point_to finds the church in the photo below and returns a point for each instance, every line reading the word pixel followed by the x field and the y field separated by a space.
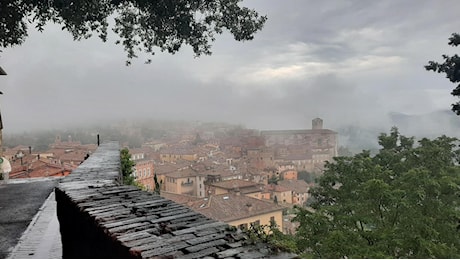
pixel 307 148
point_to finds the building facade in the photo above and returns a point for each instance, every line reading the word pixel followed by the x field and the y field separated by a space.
pixel 310 147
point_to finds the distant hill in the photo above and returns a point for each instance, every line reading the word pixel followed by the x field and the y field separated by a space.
pixel 430 125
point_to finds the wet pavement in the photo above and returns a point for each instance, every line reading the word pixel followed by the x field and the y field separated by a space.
pixel 28 222
pixel 42 239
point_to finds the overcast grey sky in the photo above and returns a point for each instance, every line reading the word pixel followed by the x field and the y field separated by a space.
pixel 343 61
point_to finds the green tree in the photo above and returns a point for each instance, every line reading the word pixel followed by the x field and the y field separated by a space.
pixel 274 179
pixel 157 188
pixel 306 176
pixel 127 167
pixel 401 203
pixel 450 67
pixel 271 235
pixel 141 25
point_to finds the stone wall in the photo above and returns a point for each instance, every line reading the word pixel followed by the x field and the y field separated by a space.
pixel 101 218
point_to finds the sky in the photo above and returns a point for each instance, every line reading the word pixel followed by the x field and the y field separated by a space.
pixel 347 62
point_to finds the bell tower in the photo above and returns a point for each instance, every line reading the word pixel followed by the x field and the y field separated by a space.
pixel 317 123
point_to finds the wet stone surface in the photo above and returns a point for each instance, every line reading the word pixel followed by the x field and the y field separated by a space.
pixel 18 205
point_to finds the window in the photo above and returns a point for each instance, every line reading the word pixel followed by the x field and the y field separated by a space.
pixel 272 220
pixel 243 226
pixel 256 223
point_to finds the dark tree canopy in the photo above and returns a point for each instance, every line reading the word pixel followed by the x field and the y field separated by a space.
pixel 127 165
pixel 142 25
pixel 451 67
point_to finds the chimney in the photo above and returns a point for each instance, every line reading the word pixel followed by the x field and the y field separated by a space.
pixel 317 124
pixel 249 205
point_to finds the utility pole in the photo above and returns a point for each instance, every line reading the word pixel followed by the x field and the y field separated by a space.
pixel 3 172
pixel 3 73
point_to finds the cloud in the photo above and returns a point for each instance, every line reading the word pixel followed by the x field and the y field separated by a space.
pixel 349 62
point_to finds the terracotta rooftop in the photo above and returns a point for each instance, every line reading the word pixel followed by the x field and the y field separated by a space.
pixel 232 184
pixel 277 188
pixel 183 199
pixel 299 186
pixel 182 173
pixel 231 207
pixel 164 168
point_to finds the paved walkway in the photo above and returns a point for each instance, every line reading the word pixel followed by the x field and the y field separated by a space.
pixel 42 239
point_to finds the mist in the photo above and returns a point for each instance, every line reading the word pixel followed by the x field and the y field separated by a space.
pixel 350 63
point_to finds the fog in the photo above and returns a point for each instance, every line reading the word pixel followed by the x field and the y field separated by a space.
pixel 352 63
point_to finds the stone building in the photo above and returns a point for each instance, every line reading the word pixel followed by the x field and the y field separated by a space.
pixel 311 147
pixel 144 173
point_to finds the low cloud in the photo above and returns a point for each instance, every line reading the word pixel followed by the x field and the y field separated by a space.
pixel 348 62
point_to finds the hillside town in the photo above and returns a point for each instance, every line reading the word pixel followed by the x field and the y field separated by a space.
pixel 243 177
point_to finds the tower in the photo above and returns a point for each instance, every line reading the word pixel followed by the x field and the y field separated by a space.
pixel 57 139
pixel 317 123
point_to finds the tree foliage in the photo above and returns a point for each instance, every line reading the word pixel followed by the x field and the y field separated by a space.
pixel 450 67
pixel 127 167
pixel 401 203
pixel 157 188
pixel 273 236
pixel 141 25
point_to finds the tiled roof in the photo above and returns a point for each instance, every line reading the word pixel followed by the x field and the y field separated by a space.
pixel 179 198
pixel 231 207
pixel 299 186
pixel 182 173
pixel 164 168
pixel 232 184
pixel 277 188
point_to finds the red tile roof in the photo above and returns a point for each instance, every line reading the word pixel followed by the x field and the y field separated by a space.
pixel 231 207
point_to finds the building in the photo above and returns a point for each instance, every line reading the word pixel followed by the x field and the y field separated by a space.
pixel 144 173
pixel 185 181
pixel 247 188
pixel 311 147
pixel 299 190
pixel 176 153
pixel 279 193
pixel 33 168
pixel 234 209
